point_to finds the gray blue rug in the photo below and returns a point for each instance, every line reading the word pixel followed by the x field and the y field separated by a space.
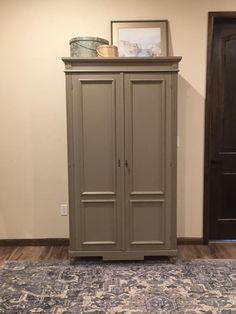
pixel 197 286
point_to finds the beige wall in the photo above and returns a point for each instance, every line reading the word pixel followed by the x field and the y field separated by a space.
pixel 34 35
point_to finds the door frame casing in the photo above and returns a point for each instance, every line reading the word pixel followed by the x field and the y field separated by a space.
pixel 209 107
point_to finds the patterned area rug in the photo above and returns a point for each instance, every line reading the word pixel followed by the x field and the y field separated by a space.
pixel 196 286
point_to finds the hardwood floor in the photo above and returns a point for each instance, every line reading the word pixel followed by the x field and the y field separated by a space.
pixel 213 250
pixel 37 253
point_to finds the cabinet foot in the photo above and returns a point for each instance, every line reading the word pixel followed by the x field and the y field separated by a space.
pixel 72 260
pixel 173 259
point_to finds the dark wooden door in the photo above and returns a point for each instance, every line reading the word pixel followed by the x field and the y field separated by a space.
pixel 221 128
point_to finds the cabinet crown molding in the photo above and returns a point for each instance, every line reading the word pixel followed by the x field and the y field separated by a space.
pixel 168 64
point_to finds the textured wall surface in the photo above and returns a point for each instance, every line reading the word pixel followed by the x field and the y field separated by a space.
pixel 34 36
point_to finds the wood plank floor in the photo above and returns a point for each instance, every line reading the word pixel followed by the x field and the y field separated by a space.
pixel 38 253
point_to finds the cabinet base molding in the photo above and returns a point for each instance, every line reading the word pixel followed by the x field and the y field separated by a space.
pixel 121 256
pixel 65 242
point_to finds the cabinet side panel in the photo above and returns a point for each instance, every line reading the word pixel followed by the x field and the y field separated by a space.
pixel 72 178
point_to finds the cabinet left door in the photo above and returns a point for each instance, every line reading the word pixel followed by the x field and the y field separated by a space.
pixel 95 133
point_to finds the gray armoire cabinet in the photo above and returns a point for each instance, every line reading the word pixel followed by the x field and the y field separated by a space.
pixel 121 119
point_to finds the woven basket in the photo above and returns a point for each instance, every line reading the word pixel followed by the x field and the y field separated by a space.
pixel 107 51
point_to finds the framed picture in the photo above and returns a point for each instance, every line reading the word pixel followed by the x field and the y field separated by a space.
pixel 140 38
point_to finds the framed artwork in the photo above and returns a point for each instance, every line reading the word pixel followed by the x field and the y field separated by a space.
pixel 140 38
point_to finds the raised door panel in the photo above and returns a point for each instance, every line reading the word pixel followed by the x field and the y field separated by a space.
pixel 148 160
pixel 147 222
pixel 97 143
pixel 98 140
pixel 146 135
pixel 99 222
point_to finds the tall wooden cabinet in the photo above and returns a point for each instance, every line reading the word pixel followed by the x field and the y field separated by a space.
pixel 121 119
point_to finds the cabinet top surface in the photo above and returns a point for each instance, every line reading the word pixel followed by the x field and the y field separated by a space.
pixel 168 59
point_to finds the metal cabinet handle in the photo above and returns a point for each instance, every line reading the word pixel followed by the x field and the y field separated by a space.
pixel 126 164
pixel 127 167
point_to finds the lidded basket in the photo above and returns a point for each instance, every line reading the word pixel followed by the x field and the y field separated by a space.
pixel 86 47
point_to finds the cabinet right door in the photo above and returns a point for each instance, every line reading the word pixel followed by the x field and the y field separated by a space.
pixel 150 155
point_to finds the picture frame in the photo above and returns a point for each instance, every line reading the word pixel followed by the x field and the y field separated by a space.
pixel 140 38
